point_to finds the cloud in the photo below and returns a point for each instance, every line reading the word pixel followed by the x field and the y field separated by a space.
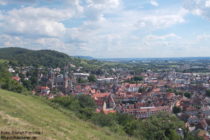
pixel 156 41
pixel 103 4
pixel 202 37
pixel 102 37
pixel 160 21
pixel 6 2
pixel 155 19
pixel 100 28
pixel 41 13
pixel 154 3
pixel 37 44
pixel 95 9
pixel 162 37
pixel 207 3
pixel 34 22
pixel 2 2
pixel 75 5
pixel 44 27
pixel 198 7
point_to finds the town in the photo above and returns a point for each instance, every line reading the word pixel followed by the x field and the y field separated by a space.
pixel 142 90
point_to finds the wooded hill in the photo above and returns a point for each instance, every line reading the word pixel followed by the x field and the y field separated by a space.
pixel 22 56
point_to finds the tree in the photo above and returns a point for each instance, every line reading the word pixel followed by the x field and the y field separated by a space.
pixel 141 90
pixel 103 120
pixel 81 80
pixel 6 81
pixel 92 78
pixel 176 109
pixel 86 101
pixel 27 84
pixel 208 93
pixel 137 78
pixel 162 126
pixel 187 94
pixel 82 105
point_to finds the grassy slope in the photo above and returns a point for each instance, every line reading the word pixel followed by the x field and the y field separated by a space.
pixel 21 113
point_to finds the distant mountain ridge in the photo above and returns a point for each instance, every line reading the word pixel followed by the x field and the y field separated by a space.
pixel 152 59
pixel 86 57
pixel 52 58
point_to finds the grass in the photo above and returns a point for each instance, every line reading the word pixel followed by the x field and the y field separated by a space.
pixel 27 113
pixel 3 61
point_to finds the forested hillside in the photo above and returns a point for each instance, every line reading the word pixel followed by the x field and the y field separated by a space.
pixel 31 57
pixel 52 59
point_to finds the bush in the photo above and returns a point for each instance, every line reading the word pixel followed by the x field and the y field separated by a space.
pixel 82 105
pixel 208 93
pixel 104 120
pixel 6 81
pixel 92 78
pixel 176 109
pixel 187 94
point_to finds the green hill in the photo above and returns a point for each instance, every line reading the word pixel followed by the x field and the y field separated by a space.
pixel 47 58
pixel 50 58
pixel 32 57
pixel 20 113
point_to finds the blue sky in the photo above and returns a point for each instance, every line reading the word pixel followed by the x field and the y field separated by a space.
pixel 108 28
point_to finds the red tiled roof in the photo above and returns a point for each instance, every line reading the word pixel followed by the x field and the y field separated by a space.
pixel 170 95
pixel 109 111
pixel 100 95
pixel 44 88
pixel 156 90
pixel 16 78
pixel 148 109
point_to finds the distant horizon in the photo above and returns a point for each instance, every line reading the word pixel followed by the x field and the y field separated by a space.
pixel 101 58
pixel 140 57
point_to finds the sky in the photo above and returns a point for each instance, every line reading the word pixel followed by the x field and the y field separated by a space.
pixel 108 28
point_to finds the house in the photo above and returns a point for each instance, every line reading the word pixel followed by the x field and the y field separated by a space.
pixel 106 110
pixel 202 124
pixel 16 78
pixel 61 82
pixel 193 120
pixel 105 80
pixel 145 112
pixel 133 87
pixel 44 90
pixel 11 70
pixel 99 98
pixel 81 75
pixel 204 134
